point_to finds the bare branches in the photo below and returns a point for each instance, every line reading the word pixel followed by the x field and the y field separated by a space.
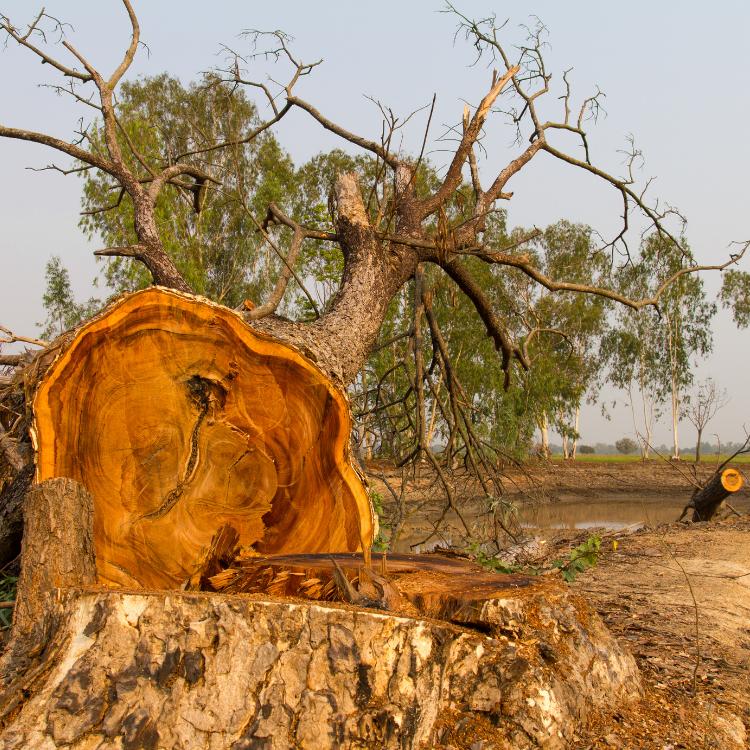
pixel 363 143
pixel 8 337
pixel 471 134
pixel 67 148
pixel 275 215
pixel 277 294
pixel 131 50
pixel 237 78
pixel 33 30
pixel 523 263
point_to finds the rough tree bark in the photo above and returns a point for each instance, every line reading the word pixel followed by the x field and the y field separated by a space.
pixel 706 502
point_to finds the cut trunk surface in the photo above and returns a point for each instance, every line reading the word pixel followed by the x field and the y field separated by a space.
pixel 179 419
pixel 707 501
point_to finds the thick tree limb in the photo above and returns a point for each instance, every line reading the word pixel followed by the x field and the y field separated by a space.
pixel 454 176
pixel 495 329
pixel 67 148
pixel 522 263
pixel 9 337
pixel 281 283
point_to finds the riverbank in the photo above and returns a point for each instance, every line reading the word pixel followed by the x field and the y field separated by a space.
pixel 539 495
pixel 677 594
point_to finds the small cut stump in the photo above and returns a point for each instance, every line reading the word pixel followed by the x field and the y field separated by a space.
pixel 196 571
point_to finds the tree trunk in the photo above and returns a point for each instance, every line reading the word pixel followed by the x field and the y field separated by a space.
pixel 675 419
pixel 59 538
pixel 698 447
pixel 706 502
pixel 544 432
pixel 575 427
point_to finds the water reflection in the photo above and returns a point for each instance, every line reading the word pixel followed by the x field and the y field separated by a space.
pixel 611 511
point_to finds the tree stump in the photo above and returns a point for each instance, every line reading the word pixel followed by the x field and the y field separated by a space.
pixel 206 581
pixel 706 502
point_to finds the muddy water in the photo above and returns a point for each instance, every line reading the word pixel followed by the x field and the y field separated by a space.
pixel 610 511
pixel 607 510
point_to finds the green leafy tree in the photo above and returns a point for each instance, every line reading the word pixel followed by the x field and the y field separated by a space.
pixel 626 446
pixel 686 317
pixel 63 312
pixel 651 352
pixel 219 248
pixel 735 296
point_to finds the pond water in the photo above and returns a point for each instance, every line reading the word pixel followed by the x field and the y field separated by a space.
pixel 611 511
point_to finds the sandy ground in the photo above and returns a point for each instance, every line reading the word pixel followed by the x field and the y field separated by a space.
pixel 680 597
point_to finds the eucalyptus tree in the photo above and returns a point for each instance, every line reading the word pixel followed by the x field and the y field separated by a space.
pixel 211 235
pixel 735 296
pixel 63 311
pixel 685 330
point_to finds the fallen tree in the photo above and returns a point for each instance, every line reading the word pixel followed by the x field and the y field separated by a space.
pixel 191 433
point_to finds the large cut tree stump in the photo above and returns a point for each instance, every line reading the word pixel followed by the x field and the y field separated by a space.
pixel 196 571
pixel 178 418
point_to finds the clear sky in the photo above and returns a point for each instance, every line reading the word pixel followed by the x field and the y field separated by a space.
pixel 676 75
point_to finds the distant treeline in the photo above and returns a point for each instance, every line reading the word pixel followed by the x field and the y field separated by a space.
pixel 606 449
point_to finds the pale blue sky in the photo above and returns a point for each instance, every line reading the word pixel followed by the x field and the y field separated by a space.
pixel 676 75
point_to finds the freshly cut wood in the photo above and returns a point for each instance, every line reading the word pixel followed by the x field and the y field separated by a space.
pixel 443 588
pixel 706 502
pixel 180 419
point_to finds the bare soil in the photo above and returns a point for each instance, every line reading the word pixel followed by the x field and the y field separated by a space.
pixel 679 595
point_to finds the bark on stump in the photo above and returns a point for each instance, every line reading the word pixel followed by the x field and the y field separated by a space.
pixel 198 453
pixel 192 671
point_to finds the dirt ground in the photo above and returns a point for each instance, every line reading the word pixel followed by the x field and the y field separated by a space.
pixel 680 597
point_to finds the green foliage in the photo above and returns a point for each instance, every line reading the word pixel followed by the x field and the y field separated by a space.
pixel 7 594
pixel 626 445
pixel 583 557
pixel 735 295
pixel 380 543
pixel 651 350
pixel 489 562
pixel 586 450
pixel 63 312
pixel 219 250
